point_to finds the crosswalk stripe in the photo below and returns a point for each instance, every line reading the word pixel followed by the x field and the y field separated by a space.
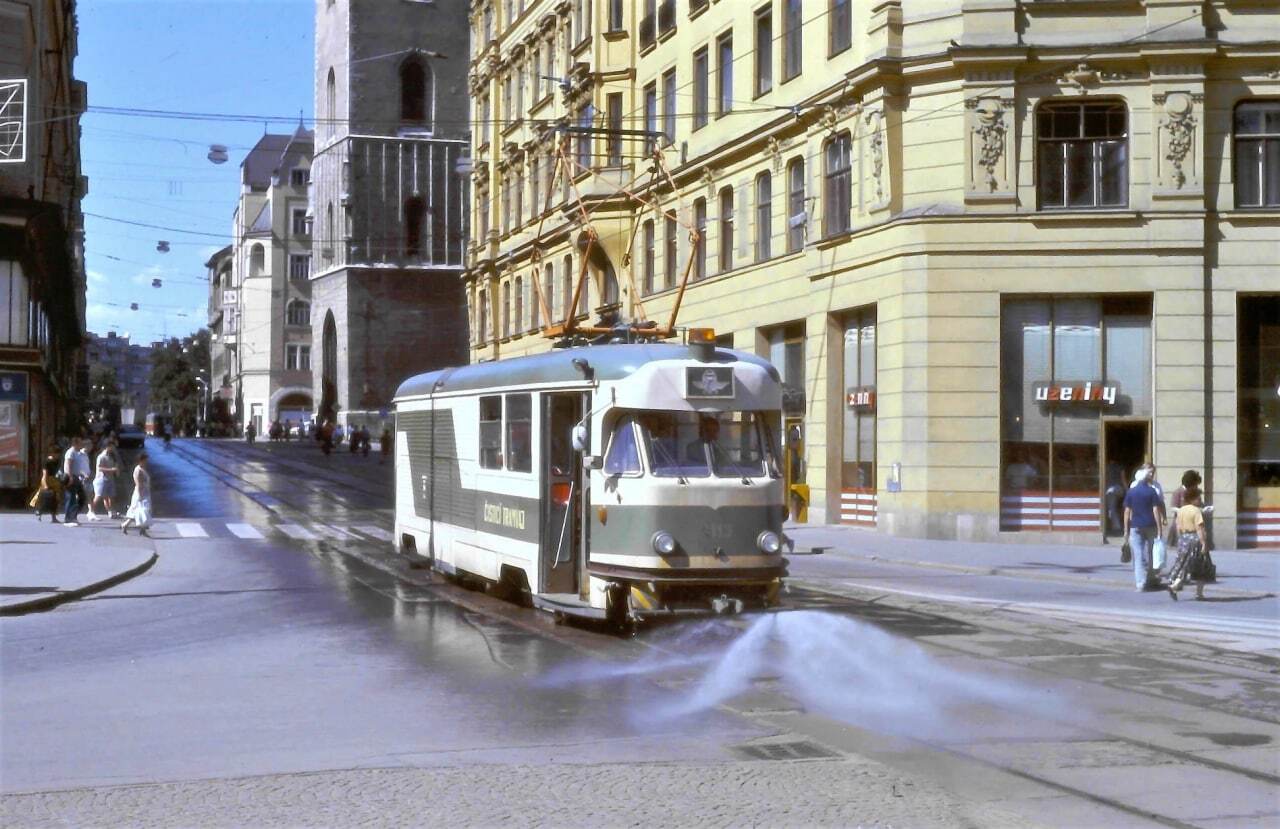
pixel 330 531
pixel 373 532
pixel 244 531
pixel 296 531
pixel 191 531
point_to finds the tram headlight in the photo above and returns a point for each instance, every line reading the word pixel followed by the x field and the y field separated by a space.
pixel 768 542
pixel 664 543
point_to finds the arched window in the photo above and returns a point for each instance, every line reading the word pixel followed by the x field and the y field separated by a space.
pixel 331 102
pixel 257 260
pixel 328 229
pixel 415 92
pixel 329 367
pixel 298 313
pixel 414 212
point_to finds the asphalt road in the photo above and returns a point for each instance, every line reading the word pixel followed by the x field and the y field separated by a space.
pixel 279 665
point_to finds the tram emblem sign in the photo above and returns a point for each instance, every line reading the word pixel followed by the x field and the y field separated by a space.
pixel 13 121
pixel 1092 391
pixel 709 382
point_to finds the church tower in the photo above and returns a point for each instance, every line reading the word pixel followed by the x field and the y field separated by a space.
pixel 388 203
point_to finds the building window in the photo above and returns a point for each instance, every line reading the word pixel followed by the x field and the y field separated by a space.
pixel 609 288
pixel 651 115
pixel 300 266
pixel 649 264
pixel 1064 364
pixel 520 432
pixel 506 310
pixel 541 293
pixel 724 74
pixel 792 39
pixel 415 92
pixel 701 88
pixel 669 105
pixel 613 114
pixel 764 216
pixel 331 103
pixel 672 241
pixel 518 317
pixel 482 323
pixel 257 261
pixel 841 26
pixel 764 50
pixel 648 24
pixel 1082 155
pixel 535 182
pixel 415 211
pixel 1258 412
pixel 837 185
pixel 797 216
pixel 585 116
pixel 483 116
pixel 700 247
pixel 298 221
pixel 726 229
pixel 297 357
pixel 566 293
pixel 858 456
pixel 298 177
pixel 297 313
pixel 491 432
pixel 615 15
pixel 1257 154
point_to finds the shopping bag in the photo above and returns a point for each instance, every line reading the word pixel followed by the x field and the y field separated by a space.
pixel 1126 553
pixel 1157 554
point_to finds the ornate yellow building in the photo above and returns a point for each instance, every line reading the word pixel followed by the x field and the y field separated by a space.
pixel 1001 251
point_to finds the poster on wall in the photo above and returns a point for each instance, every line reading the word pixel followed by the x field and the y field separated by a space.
pixel 13 121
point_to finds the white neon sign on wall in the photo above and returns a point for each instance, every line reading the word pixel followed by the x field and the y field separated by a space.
pixel 13 121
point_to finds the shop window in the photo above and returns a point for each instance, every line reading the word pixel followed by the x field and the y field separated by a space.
pixel 1067 367
pixel 1082 155
pixel 491 432
pixel 786 352
pixel 1258 336
pixel 519 422
pixel 1257 154
pixel 858 463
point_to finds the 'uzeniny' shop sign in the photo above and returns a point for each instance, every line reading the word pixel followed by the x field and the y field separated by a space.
pixel 1087 392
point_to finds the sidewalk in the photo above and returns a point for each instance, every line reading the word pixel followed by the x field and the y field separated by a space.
pixel 43 564
pixel 1247 572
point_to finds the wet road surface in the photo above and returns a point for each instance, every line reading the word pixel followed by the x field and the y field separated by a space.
pixel 277 635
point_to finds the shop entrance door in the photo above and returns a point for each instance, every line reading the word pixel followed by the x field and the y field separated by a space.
pixel 1126 445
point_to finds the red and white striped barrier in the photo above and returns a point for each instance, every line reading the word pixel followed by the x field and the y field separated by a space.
pixel 858 507
pixel 1258 527
pixel 1061 511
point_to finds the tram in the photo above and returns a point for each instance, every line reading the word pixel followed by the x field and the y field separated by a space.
pixel 618 482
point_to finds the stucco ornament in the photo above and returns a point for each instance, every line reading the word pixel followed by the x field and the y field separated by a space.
pixel 774 151
pixel 990 130
pixel 876 141
pixel 1180 125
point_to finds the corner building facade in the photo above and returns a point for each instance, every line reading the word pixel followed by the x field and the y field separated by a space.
pixel 387 203
pixel 1001 251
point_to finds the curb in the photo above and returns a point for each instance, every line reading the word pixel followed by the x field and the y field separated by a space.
pixel 52 600
pixel 1008 572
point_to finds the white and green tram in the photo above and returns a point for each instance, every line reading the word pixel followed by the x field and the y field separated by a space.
pixel 618 482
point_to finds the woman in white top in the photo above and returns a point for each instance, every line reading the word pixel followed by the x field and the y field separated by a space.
pixel 139 513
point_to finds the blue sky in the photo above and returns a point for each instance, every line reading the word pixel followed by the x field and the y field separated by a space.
pixel 251 57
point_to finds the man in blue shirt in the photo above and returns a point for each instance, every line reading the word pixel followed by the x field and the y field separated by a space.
pixel 1143 524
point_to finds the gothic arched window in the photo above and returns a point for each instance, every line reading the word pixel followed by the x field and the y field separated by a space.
pixel 415 92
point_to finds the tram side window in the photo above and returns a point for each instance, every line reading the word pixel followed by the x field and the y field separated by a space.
pixel 491 432
pixel 519 433
pixel 623 457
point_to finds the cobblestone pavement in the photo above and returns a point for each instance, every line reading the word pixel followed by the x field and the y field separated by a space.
pixel 850 792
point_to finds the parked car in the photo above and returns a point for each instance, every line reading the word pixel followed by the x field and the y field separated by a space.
pixel 130 435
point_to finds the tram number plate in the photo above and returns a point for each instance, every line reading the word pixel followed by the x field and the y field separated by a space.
pixel 718 532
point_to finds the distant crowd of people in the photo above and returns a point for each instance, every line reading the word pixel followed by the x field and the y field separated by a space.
pixel 76 466
pixel 328 434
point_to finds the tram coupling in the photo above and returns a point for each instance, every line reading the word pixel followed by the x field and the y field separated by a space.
pixel 724 605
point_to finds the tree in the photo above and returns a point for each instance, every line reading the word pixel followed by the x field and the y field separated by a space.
pixel 175 364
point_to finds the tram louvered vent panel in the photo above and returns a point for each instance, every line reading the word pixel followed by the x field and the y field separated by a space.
pixel 801 750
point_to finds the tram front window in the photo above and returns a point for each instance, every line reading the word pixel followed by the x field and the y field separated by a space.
pixel 693 445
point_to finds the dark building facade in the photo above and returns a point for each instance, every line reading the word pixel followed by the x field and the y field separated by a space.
pixel 42 283
pixel 388 200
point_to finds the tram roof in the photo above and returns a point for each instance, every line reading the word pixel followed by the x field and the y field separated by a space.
pixel 610 362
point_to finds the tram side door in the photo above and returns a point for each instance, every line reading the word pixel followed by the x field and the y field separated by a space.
pixel 563 481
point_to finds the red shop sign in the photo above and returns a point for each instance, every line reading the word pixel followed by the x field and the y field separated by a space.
pixel 1092 391
pixel 861 397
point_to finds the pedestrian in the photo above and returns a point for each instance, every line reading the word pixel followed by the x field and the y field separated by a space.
pixel 288 429
pixel 326 436
pixel 364 440
pixel 384 444
pixel 139 513
pixel 1193 544
pixel 104 482
pixel 250 432
pixel 46 497
pixel 75 468
pixel 1143 523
